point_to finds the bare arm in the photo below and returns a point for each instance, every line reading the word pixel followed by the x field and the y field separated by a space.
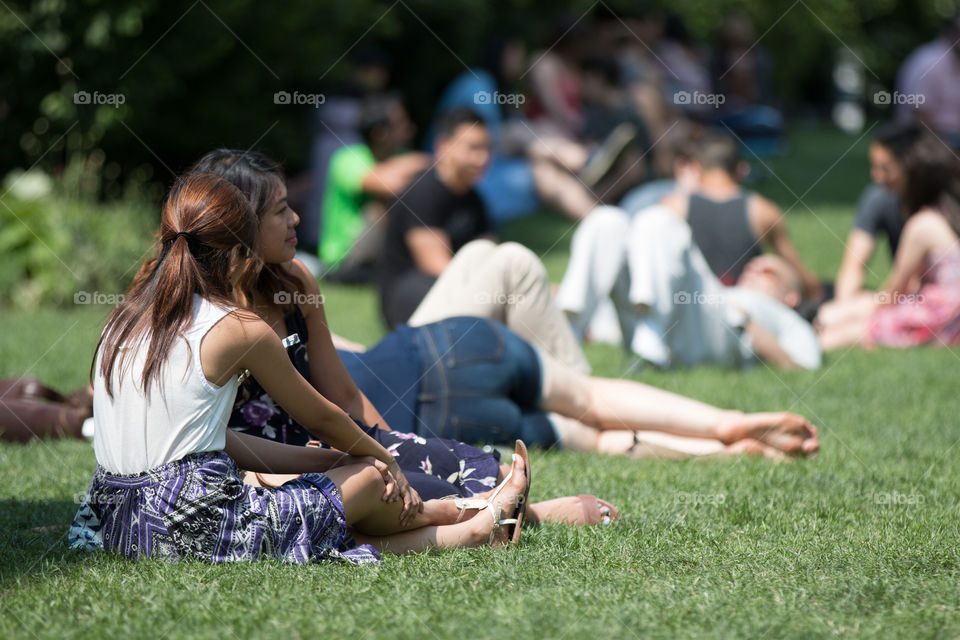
pixel 261 455
pixel 430 248
pixel 924 231
pixel 327 373
pixel 856 256
pixel 771 228
pixel 767 348
pixel 242 340
pixel 389 178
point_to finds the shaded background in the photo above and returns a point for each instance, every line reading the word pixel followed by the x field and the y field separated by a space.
pixel 197 74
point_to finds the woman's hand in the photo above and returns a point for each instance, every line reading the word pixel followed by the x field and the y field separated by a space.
pixel 389 494
pixel 396 487
pixel 401 489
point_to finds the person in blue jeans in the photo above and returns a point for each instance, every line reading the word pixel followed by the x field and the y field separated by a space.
pixel 473 379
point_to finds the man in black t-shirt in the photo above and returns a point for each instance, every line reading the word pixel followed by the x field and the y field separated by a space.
pixel 436 215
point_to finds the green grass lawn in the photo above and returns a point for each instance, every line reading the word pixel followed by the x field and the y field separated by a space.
pixel 862 539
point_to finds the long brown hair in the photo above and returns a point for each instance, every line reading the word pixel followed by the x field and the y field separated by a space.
pixel 932 179
pixel 259 179
pixel 207 229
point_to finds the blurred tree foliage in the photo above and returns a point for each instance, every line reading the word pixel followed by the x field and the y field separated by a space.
pixel 195 74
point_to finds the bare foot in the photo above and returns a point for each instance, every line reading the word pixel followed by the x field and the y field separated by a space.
pixel 751 447
pixel 575 510
pixel 786 432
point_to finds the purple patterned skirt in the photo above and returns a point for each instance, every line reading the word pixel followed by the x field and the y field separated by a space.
pixel 198 507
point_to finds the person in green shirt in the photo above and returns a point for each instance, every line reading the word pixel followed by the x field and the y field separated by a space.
pixel 361 179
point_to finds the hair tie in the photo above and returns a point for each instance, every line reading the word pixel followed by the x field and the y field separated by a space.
pixel 193 244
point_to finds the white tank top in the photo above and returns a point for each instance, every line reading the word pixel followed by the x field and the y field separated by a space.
pixel 135 431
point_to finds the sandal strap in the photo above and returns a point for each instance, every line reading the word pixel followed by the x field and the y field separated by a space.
pixel 470 503
pixel 480 503
pixel 495 511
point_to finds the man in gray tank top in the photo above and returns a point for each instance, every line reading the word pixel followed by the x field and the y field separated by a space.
pixel 731 226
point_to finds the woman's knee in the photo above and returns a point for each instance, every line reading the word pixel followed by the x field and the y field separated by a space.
pixel 357 478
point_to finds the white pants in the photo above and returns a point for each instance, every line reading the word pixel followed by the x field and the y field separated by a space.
pixel 670 306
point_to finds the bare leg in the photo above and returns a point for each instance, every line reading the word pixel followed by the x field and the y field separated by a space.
pixel 607 404
pixel 843 334
pixel 649 444
pixel 361 487
pixel 562 190
pixel 565 153
pixel 859 307
pixel 574 510
pixel 472 532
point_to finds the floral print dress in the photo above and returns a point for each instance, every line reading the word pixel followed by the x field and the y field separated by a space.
pixel 435 467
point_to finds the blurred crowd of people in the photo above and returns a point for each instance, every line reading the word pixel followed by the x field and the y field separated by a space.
pixel 597 110
pixel 625 124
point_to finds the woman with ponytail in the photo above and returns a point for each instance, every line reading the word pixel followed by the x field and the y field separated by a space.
pixel 165 374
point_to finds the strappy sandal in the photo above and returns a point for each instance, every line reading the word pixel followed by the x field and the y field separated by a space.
pixel 496 508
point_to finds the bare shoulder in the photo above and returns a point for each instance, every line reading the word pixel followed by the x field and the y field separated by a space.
pixel 763 210
pixel 230 342
pixel 927 221
pixel 240 329
pixel 928 229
